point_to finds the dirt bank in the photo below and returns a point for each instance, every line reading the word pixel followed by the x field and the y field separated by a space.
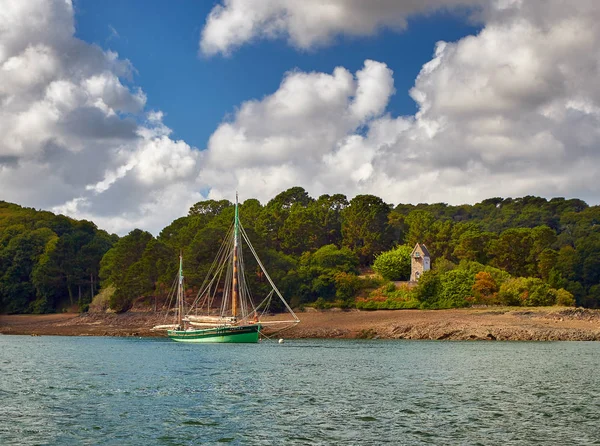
pixel 541 324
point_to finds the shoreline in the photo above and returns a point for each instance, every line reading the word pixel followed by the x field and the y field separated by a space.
pixel 503 324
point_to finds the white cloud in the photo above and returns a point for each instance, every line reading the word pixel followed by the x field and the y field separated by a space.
pixel 69 137
pixel 290 135
pixel 308 23
pixel 514 110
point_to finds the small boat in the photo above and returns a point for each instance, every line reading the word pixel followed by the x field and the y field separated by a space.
pixel 224 311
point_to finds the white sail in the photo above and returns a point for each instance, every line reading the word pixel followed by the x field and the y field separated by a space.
pixel 164 327
pixel 194 318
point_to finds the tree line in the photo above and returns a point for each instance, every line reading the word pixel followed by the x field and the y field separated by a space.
pixel 317 251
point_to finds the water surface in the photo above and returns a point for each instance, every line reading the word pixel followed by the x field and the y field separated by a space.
pixel 124 391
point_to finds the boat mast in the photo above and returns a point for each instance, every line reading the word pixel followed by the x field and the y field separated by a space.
pixel 234 289
pixel 180 293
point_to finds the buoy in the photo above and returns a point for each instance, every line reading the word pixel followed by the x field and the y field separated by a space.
pixel 281 341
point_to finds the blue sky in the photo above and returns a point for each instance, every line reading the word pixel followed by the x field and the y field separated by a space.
pixel 197 92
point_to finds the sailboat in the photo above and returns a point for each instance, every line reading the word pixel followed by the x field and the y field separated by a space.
pixel 224 310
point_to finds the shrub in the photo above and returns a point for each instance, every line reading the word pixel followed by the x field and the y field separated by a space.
pixel 100 302
pixel 394 264
pixel 512 292
pixel 456 288
pixel 526 291
pixel 485 289
pixel 346 285
pixel 427 289
pixel 388 298
pixel 563 297
pixel 538 293
pixel 321 304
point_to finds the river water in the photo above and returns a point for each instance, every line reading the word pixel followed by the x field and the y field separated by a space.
pixel 124 391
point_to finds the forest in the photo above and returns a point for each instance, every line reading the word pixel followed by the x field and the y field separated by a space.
pixel 323 252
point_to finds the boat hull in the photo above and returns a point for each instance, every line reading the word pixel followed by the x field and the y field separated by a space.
pixel 247 334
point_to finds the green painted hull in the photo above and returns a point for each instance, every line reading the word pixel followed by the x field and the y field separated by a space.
pixel 247 334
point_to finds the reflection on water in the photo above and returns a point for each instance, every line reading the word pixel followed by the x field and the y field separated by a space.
pixel 114 391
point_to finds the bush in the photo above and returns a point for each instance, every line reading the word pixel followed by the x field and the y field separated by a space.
pixel 394 264
pixel 563 298
pixel 321 304
pixel 120 301
pixel 456 286
pixel 346 285
pixel 485 289
pixel 389 298
pixel 512 292
pixel 101 301
pixel 538 293
pixel 526 291
pixel 427 289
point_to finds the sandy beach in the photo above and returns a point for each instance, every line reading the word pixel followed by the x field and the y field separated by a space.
pixel 539 324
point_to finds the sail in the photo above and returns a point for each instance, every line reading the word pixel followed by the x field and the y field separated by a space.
pixel 225 298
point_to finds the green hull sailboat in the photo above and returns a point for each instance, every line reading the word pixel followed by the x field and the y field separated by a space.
pixel 235 334
pixel 224 311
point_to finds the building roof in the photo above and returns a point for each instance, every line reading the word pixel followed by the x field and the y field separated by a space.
pixel 421 247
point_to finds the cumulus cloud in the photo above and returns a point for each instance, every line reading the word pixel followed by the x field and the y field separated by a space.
pixel 70 138
pixel 308 23
pixel 513 110
pixel 287 136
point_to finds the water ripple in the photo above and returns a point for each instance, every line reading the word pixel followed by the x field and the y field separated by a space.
pixel 107 391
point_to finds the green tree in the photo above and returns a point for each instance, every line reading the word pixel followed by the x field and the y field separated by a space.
pixel 210 208
pixel 455 288
pixel 511 251
pixel 121 267
pixel 473 245
pixel 317 272
pixel 546 262
pixel 17 262
pixel 419 224
pixel 428 289
pixel 365 227
pixel 563 298
pixel 273 216
pixel 394 264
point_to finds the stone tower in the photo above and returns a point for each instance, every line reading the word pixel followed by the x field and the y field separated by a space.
pixel 420 262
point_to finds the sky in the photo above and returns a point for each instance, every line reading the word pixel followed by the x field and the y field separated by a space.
pixel 127 113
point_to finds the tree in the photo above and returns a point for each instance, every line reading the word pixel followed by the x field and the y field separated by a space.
pixel 546 262
pixel 209 208
pixel 17 262
pixel 473 245
pixel 364 227
pixel 273 216
pixel 428 288
pixel 121 265
pixel 394 264
pixel 526 291
pixel 455 288
pixel 300 231
pixel 485 289
pixel 317 272
pixel 328 213
pixel 440 239
pixel 511 251
pixel 419 224
pixel 563 297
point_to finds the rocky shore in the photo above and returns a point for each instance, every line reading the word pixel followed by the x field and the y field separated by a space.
pixel 502 324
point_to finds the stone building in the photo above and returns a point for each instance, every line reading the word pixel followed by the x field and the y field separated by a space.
pixel 420 262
